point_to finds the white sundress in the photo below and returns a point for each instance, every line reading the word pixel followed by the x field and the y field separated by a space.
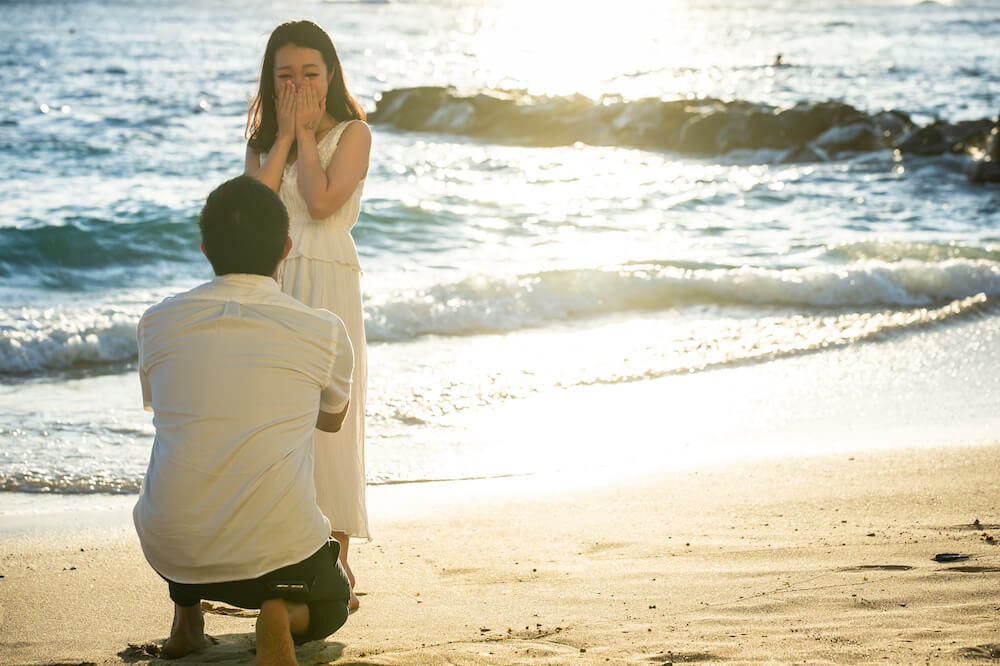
pixel 323 271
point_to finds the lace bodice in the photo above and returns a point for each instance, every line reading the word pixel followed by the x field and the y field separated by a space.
pixel 328 239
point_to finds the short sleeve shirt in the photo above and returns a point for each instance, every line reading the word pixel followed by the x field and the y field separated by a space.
pixel 235 372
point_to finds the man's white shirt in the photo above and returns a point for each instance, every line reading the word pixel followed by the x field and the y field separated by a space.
pixel 234 371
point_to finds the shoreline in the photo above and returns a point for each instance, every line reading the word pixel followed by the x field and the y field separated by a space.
pixel 929 387
pixel 933 386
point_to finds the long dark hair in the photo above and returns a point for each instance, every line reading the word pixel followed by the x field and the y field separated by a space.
pixel 262 119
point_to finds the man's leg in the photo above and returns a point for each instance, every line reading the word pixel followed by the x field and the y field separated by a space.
pixel 278 620
pixel 187 634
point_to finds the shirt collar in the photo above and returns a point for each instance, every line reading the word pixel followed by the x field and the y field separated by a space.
pixel 247 280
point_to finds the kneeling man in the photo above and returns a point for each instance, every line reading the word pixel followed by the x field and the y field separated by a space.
pixel 237 375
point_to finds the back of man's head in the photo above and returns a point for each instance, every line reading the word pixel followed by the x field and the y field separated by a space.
pixel 243 227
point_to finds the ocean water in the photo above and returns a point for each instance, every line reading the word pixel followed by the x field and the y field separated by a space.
pixel 498 266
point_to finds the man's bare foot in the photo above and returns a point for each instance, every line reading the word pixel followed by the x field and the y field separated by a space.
pixel 187 634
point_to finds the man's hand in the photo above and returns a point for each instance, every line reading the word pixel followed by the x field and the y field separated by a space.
pixel 328 422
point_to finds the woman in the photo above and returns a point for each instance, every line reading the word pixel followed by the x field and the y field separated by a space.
pixel 307 140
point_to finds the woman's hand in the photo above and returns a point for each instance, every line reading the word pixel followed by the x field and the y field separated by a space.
pixel 309 109
pixel 285 105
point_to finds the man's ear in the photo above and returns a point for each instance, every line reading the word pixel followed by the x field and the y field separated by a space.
pixel 203 250
pixel 288 248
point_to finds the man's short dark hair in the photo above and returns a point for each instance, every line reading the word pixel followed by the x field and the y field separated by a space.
pixel 243 227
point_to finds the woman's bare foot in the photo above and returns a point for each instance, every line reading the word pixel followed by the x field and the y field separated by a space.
pixel 354 603
pixel 187 634
pixel 345 541
pixel 347 570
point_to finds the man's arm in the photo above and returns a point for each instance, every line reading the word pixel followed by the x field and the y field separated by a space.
pixel 328 422
pixel 147 391
pixel 335 398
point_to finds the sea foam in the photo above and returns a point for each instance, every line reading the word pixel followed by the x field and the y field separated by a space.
pixel 482 304
pixel 40 340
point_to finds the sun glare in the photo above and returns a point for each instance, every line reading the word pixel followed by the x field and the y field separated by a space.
pixel 558 47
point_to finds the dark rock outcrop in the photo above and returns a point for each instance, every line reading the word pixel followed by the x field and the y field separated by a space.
pixel 817 131
pixel 987 169
pixel 941 138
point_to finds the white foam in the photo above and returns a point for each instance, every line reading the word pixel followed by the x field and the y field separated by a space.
pixel 484 303
pixel 36 340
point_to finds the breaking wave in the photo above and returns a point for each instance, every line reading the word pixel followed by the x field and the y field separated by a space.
pixel 42 340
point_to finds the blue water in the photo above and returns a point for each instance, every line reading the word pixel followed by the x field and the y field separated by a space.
pixel 119 117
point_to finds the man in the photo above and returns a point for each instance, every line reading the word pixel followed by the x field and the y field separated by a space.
pixel 237 375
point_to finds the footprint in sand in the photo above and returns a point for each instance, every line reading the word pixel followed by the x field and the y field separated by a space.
pixel 970 569
pixel 599 547
pixel 228 610
pixel 988 651
pixel 140 651
pixel 878 567
pixel 681 657
pixel 147 651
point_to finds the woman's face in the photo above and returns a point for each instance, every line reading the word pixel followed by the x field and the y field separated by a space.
pixel 301 67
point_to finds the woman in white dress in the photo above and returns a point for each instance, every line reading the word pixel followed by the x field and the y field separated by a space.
pixel 307 140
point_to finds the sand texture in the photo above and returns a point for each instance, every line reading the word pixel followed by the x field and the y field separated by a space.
pixel 823 559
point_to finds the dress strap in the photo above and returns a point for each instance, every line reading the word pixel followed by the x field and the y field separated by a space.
pixel 328 144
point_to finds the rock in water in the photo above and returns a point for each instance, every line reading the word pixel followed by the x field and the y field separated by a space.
pixel 804 153
pixel 698 135
pixel 856 137
pixel 924 141
pixel 987 170
pixel 892 124
pixel 967 134
pixel 804 122
pixel 805 132
pixel 984 171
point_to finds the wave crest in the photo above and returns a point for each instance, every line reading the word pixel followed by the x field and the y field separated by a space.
pixel 68 483
pixel 91 243
pixel 46 340
pixel 484 304
pixel 38 341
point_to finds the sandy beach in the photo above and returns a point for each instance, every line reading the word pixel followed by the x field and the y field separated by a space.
pixel 825 559
pixel 818 553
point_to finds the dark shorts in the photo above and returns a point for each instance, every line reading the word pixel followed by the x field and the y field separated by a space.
pixel 318 581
